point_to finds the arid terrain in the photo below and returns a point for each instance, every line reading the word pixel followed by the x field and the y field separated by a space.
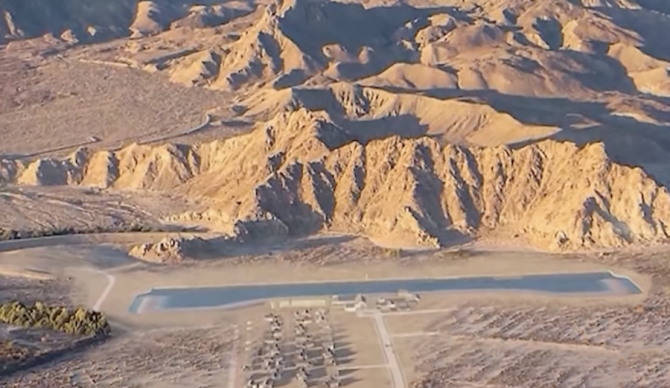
pixel 148 144
pixel 423 124
pixel 491 339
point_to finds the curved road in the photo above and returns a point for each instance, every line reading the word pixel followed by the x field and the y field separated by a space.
pixel 85 239
pixel 111 280
pixel 88 239
pixel 190 131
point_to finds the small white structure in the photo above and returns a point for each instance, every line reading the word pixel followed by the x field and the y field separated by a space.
pixel 359 303
pixel 410 297
pixel 351 303
pixel 401 304
pixel 340 300
pixel 392 304
pixel 299 303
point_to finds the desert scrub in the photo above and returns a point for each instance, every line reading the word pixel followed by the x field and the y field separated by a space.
pixel 13 234
pixel 457 254
pixel 78 321
pixel 13 353
pixel 393 252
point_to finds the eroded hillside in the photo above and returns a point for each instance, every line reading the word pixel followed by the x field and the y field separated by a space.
pixel 301 172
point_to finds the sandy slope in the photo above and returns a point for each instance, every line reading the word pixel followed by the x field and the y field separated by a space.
pixel 539 121
pixel 44 208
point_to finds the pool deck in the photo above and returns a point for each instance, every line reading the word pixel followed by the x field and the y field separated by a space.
pixel 603 283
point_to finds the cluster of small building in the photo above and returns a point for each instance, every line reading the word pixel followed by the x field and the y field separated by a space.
pixel 269 354
pixel 278 359
pixel 402 301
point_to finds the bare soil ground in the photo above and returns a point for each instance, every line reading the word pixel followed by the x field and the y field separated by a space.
pixel 535 344
pixel 179 358
pixel 548 103
pixel 483 340
pixel 30 290
pixel 56 207
pixel 12 354
pixel 52 106
pixel 19 347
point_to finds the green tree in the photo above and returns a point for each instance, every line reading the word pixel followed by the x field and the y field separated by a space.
pixel 79 321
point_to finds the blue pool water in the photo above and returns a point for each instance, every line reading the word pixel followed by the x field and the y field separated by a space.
pixel 212 297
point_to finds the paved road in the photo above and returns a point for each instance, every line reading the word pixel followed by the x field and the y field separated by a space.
pixel 89 239
pixel 368 313
pixel 111 280
pixel 232 366
pixel 397 379
pixel 207 120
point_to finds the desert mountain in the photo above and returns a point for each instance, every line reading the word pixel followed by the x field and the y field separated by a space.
pixel 87 19
pixel 301 172
pixel 558 48
pixel 369 113
pixel 98 20
pixel 545 121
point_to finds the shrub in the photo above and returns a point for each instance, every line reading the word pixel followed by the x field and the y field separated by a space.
pixel 73 321
pixel 393 252
pixel 11 234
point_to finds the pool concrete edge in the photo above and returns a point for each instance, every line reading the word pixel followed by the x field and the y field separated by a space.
pixel 634 281
pixel 643 282
pixel 133 283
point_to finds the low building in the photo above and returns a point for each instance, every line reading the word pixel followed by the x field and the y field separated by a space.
pixel 348 300
pixel 300 302
pixel 339 300
pixel 355 306
pixel 401 304
pixel 392 304
pixel 409 296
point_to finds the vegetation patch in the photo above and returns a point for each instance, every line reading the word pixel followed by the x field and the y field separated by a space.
pixel 13 234
pixel 39 333
pixel 11 352
pixel 78 321
pixel 393 252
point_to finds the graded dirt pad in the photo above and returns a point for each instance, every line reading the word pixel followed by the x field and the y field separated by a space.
pixel 359 337
pixel 536 344
pixel 44 208
pixel 171 359
pixel 133 277
pixel 53 106
pixel 21 284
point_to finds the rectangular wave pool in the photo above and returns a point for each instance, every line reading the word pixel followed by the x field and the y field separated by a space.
pixel 184 298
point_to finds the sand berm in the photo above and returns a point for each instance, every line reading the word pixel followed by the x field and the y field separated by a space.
pixel 300 172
